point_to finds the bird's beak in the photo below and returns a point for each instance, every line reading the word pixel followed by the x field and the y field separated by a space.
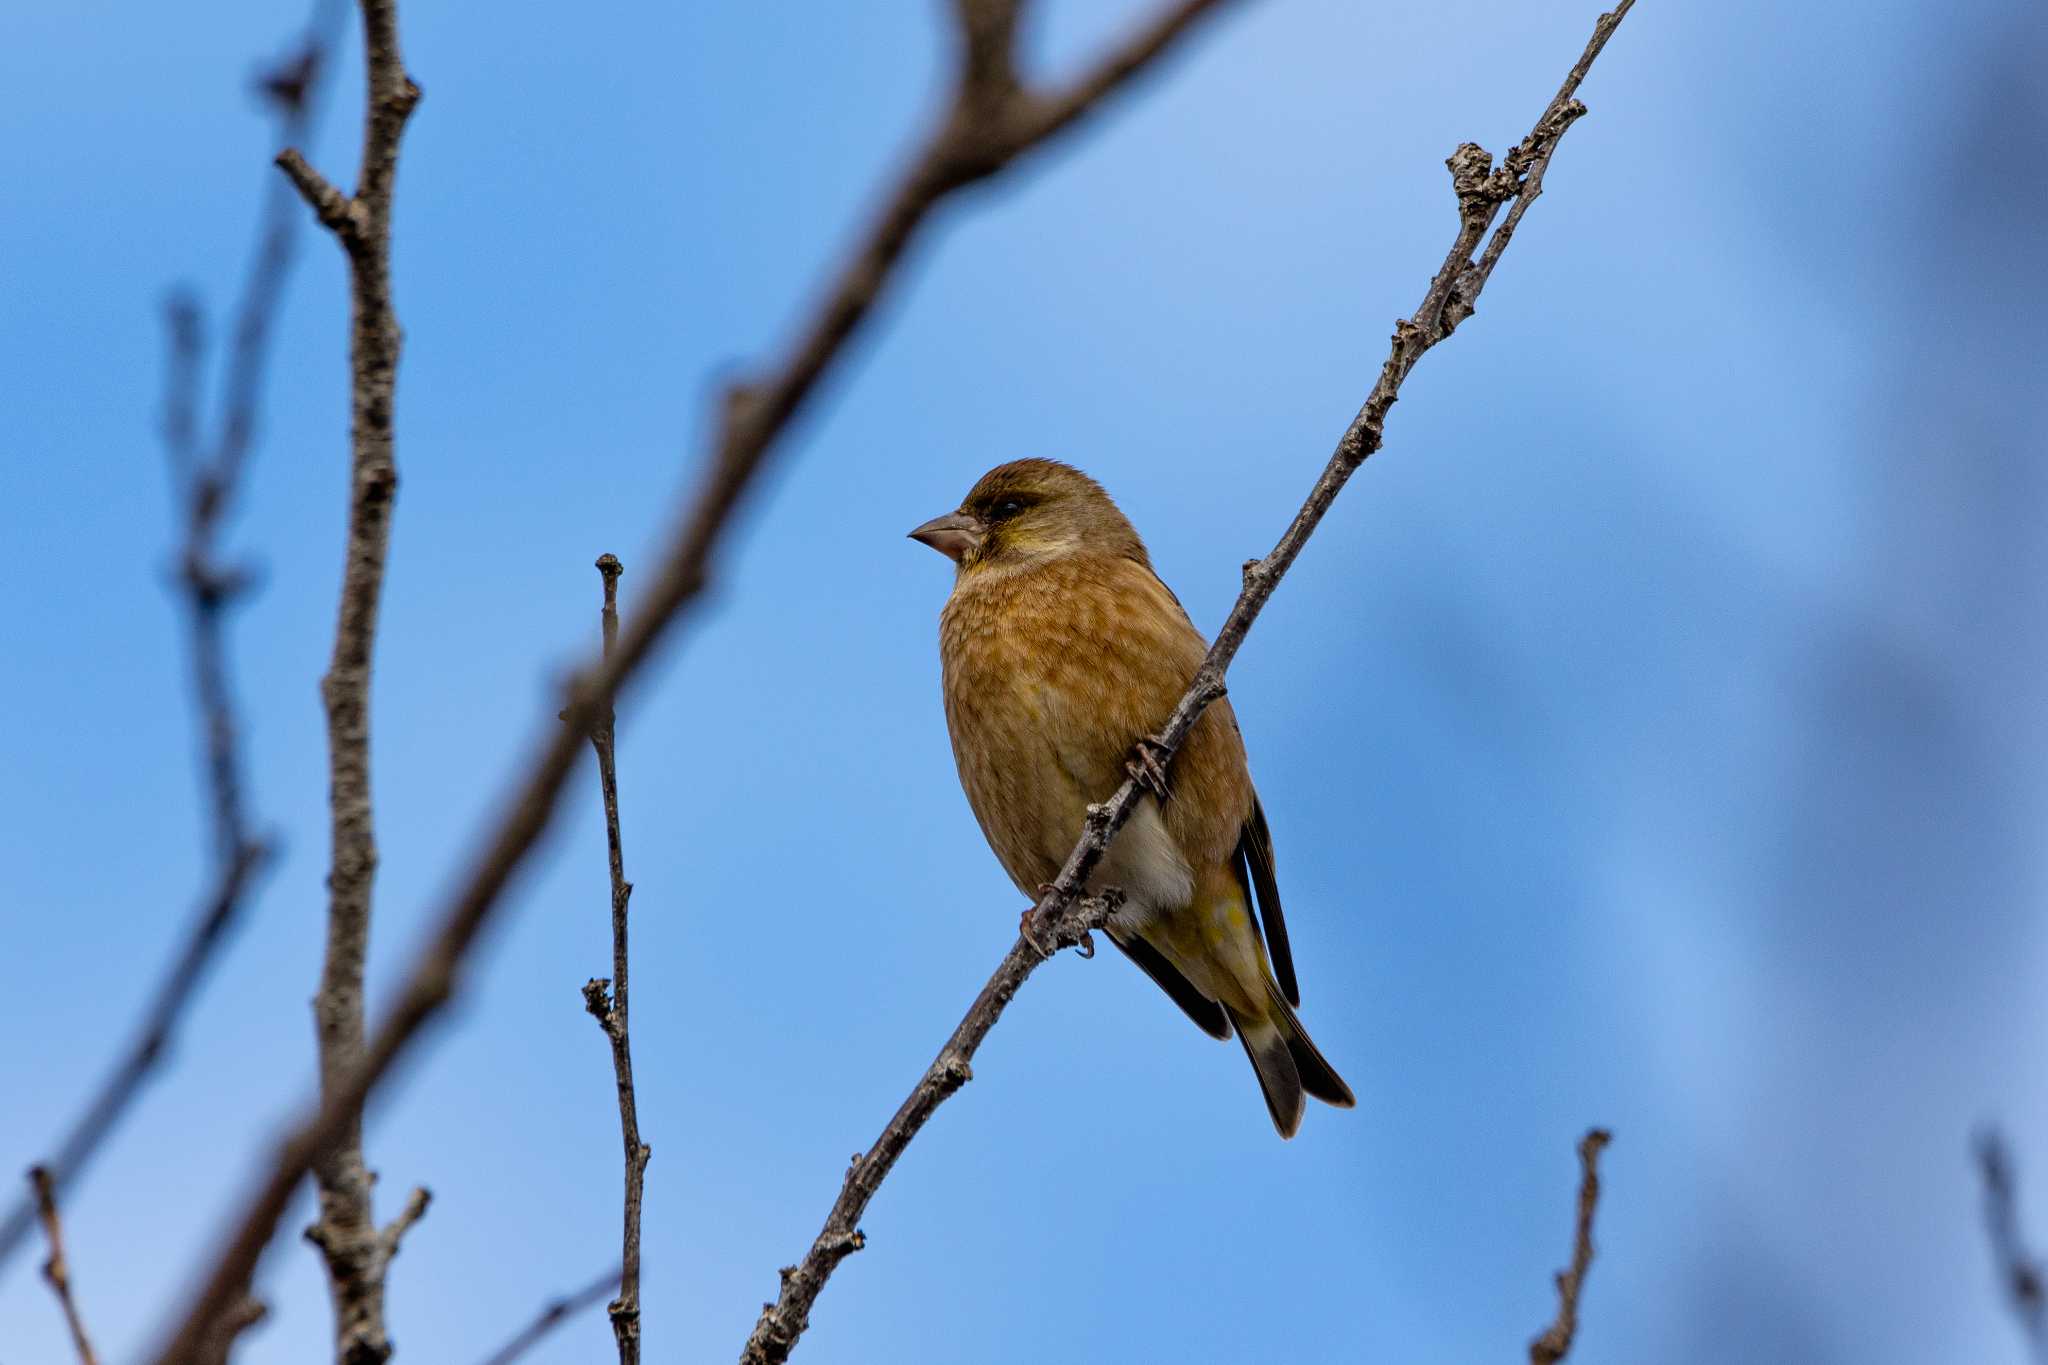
pixel 955 535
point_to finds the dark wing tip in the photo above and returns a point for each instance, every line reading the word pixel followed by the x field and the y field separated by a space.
pixel 1255 868
pixel 1209 1016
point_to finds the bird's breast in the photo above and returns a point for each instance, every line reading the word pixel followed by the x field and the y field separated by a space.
pixel 1050 676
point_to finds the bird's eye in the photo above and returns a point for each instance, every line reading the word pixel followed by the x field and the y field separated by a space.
pixel 1007 508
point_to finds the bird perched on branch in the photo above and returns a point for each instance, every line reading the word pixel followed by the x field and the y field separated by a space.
pixel 1062 653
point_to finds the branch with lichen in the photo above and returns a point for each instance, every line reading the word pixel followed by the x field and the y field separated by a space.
pixel 1482 190
pixel 355 1251
pixel 992 120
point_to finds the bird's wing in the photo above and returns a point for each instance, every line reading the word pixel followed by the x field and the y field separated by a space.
pixel 1174 595
pixel 1255 872
pixel 1208 1015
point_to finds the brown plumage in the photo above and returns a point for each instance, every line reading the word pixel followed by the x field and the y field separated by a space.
pixel 1061 650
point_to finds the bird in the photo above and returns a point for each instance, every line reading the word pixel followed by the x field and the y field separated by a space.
pixel 1061 653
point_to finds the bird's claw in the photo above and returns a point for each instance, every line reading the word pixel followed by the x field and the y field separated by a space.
pixel 1029 931
pixel 1147 767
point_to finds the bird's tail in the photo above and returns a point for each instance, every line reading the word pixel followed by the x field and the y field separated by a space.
pixel 1287 1062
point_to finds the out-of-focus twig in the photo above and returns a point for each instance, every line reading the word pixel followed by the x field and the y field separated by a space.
pixel 553 1315
pixel 1555 1341
pixel 1453 291
pixel 606 1000
pixel 57 1269
pixel 2020 1273
pixel 205 483
pixel 991 121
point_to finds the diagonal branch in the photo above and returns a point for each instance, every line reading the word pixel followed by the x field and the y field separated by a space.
pixel 204 485
pixel 553 1315
pixel 1556 1341
pixel 2020 1273
pixel 355 1251
pixel 1452 292
pixel 752 423
pixel 606 1000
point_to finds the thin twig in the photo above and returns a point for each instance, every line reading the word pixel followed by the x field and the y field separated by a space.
pixel 205 487
pixel 553 1315
pixel 354 1250
pixel 2020 1274
pixel 1556 1341
pixel 1451 295
pixel 57 1270
pixel 754 417
pixel 606 1000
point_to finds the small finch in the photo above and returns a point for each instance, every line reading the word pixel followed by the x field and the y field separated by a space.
pixel 1062 651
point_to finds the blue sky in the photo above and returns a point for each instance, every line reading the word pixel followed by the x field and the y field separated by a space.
pixel 1651 736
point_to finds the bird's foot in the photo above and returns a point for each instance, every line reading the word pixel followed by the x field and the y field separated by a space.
pixel 1147 767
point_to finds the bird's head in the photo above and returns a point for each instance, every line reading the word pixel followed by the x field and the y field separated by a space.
pixel 1028 511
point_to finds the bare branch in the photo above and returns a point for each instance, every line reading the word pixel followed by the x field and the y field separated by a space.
pixel 753 420
pixel 553 1315
pixel 57 1270
pixel 335 210
pixel 1481 191
pixel 356 1253
pixel 606 1000
pixel 220 1341
pixel 1556 1341
pixel 2020 1275
pixel 204 486
pixel 1117 66
pixel 1061 924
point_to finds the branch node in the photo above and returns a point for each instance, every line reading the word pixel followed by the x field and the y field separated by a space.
pixel 415 1209
pixel 1473 180
pixel 335 210
pixel 597 1001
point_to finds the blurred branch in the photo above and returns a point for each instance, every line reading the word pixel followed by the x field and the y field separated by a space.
pixel 1453 291
pixel 2020 1275
pixel 57 1270
pixel 355 1251
pixel 219 1343
pixel 983 131
pixel 205 488
pixel 606 1000
pixel 553 1315
pixel 1556 1342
